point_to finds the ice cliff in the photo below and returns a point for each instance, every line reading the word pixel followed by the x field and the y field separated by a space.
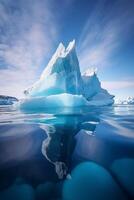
pixel 62 84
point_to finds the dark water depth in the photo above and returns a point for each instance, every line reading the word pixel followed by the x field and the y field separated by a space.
pixel 85 153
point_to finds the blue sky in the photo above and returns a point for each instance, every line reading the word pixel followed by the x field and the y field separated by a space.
pixel 30 31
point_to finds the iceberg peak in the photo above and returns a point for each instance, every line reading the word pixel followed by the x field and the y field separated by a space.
pixel 60 50
pixel 70 46
pixel 61 75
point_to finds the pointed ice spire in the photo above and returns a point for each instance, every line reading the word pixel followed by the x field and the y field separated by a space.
pixel 60 50
pixel 62 74
pixel 70 46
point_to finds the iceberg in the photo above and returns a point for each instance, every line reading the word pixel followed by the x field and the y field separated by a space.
pixel 61 84
pixel 127 101
pixel 7 100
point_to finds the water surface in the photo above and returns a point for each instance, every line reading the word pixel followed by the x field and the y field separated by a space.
pixel 69 154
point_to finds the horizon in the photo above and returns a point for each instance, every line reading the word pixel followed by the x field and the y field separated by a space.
pixel 31 30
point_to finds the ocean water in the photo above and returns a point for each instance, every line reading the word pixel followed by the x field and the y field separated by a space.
pixel 85 153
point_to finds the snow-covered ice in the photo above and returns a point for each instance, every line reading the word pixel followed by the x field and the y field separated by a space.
pixel 62 84
pixel 127 101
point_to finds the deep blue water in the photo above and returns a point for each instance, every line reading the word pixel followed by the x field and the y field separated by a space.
pixel 67 154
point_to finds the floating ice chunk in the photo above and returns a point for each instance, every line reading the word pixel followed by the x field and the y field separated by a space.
pixel 7 100
pixel 127 101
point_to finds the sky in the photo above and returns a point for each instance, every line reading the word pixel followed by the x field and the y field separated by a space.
pixel 30 31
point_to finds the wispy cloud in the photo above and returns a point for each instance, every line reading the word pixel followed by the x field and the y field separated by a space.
pixel 104 31
pixel 116 85
pixel 28 31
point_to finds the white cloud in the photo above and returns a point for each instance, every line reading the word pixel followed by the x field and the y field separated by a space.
pixel 104 31
pixel 28 33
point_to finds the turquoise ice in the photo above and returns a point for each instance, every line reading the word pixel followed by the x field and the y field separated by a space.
pixel 61 84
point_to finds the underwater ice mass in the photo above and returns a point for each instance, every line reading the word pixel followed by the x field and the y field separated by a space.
pixel 62 84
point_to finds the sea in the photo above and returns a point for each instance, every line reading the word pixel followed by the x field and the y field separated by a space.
pixel 82 153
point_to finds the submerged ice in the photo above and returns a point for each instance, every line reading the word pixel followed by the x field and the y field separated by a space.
pixel 62 84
